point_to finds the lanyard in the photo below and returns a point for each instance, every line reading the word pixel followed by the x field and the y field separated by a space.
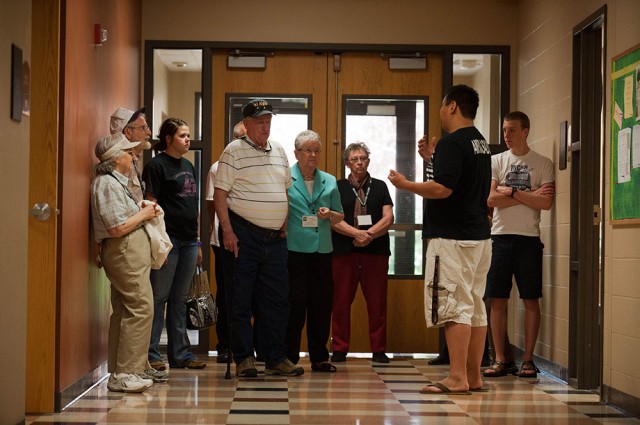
pixel 267 148
pixel 312 207
pixel 126 190
pixel 142 184
pixel 363 203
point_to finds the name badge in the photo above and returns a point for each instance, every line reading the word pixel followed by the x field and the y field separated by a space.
pixel 364 220
pixel 309 221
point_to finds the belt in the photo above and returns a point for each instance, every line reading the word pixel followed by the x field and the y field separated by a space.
pixel 260 231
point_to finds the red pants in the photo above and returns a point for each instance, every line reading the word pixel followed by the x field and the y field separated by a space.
pixel 371 272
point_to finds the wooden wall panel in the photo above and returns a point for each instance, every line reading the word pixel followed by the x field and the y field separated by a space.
pixel 97 80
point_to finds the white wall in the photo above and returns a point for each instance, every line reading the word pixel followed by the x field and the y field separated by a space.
pixel 15 28
pixel 544 92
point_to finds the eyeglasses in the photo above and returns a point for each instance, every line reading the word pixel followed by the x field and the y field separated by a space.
pixel 142 127
pixel 310 151
pixel 357 159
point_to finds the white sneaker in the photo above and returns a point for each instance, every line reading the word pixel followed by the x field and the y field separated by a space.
pixel 128 383
pixel 158 376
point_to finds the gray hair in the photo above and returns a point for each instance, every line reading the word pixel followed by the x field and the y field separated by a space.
pixel 105 167
pixel 306 136
pixel 239 130
pixel 357 146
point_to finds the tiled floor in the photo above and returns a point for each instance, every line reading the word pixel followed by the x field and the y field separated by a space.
pixel 359 393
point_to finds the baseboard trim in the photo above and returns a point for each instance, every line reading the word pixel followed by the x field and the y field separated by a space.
pixel 623 401
pixel 78 388
pixel 547 366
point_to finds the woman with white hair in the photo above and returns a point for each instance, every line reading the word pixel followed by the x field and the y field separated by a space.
pixel 314 205
pixel 118 226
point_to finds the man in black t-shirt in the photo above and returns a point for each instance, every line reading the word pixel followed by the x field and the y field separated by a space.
pixel 459 248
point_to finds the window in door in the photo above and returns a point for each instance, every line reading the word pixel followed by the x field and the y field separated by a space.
pixel 293 115
pixel 177 93
pixel 391 127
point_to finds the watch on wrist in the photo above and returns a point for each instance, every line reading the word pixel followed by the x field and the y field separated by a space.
pixel 513 190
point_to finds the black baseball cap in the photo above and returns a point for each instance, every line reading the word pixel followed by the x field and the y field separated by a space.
pixel 257 108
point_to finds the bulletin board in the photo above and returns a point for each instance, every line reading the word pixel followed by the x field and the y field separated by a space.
pixel 625 138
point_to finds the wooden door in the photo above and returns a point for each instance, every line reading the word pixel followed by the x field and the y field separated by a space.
pixel 42 289
pixel 328 77
pixel 369 74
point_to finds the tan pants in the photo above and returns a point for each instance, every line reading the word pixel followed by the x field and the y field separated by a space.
pixel 127 263
pixel 463 268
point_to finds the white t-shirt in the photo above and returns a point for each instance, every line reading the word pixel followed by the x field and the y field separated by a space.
pixel 211 178
pixel 528 173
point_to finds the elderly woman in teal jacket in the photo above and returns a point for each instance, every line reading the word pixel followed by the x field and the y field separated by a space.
pixel 314 204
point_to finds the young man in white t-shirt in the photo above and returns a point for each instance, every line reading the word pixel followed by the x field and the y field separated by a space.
pixel 522 185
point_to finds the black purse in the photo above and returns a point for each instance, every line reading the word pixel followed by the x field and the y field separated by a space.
pixel 202 311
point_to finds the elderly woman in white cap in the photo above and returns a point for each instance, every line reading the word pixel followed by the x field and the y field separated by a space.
pixel 126 256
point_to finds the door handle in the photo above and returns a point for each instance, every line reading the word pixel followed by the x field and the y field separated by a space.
pixel 40 211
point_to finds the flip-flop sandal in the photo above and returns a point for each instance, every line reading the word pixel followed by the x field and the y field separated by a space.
pixel 479 390
pixel 323 367
pixel 528 370
pixel 443 390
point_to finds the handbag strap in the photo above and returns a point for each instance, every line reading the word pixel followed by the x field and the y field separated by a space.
pixel 198 285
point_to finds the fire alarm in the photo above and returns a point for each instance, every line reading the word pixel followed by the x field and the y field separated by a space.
pixel 100 35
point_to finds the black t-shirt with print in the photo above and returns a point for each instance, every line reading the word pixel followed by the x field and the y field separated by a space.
pixel 172 182
pixel 462 163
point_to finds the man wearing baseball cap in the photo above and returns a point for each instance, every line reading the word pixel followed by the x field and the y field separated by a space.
pixel 133 124
pixel 253 218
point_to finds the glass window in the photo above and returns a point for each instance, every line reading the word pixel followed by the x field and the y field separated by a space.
pixel 391 127
pixel 177 88
pixel 482 72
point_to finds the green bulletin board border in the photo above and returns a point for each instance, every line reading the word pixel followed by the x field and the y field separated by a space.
pixel 624 197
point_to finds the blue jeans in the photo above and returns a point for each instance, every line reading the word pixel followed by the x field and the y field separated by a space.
pixel 170 286
pixel 261 271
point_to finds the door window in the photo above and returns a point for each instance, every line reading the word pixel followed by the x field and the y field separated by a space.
pixel 293 115
pixel 391 127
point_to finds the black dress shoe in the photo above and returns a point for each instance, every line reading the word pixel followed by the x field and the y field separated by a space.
pixel 380 357
pixel 339 357
pixel 438 361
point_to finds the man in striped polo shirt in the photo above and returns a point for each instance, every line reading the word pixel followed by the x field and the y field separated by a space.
pixel 252 204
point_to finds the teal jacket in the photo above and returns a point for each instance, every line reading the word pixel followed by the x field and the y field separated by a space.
pixel 325 194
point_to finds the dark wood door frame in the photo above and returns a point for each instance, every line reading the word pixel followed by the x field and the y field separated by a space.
pixel 587 241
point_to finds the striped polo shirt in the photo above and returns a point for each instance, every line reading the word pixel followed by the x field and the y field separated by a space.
pixel 256 182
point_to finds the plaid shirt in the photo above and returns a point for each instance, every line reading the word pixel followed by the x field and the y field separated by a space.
pixel 111 203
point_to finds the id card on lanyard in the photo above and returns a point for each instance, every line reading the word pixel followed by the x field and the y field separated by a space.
pixel 311 219
pixel 364 219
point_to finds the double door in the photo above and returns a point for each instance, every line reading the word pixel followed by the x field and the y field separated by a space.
pixel 350 97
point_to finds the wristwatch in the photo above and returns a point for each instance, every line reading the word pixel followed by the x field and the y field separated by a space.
pixel 513 190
